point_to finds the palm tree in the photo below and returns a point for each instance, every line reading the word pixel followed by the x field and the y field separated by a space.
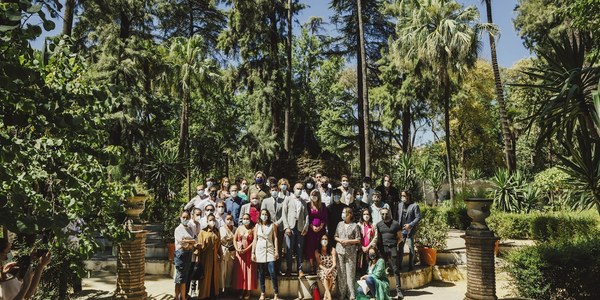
pixel 509 148
pixel 441 35
pixel 188 70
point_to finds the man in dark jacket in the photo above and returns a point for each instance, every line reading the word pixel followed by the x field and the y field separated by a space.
pixel 409 215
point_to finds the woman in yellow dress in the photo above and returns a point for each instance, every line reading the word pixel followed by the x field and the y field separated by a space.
pixel 209 254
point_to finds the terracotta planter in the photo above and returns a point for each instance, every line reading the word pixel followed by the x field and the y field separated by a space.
pixel 428 255
pixel 478 210
pixel 171 248
pixel 496 247
pixel 134 206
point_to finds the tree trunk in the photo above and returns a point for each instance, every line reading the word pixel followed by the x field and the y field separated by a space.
pixel 191 16
pixel 446 85
pixel 274 53
pixel 125 26
pixel 365 90
pixel 406 121
pixel 361 129
pixel 509 149
pixel 68 17
pixel 288 77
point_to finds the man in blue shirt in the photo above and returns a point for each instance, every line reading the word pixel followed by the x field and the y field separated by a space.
pixel 233 204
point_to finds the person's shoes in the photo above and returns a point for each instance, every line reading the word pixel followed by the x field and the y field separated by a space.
pixel 300 274
pixel 399 296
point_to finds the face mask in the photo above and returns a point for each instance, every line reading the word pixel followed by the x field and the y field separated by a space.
pixel 309 185
pixel 197 218
pixel 229 222
pixel 268 184
pixel 221 210
pixel 343 216
pixel 323 243
pixel 329 186
pixel 366 218
pixel 211 223
pixel 297 193
pixel 246 222
pixel 386 184
pixel 244 187
pixel 209 184
pixel 233 194
pixel 274 194
pixel 314 198
pixel 264 218
pixel 254 202
pixel 213 194
pixel 336 199
pixel 359 198
pixel 345 184
pixel 185 222
pixel 283 187
pixel 372 256
pixel 404 199
pixel 260 180
pixel 200 193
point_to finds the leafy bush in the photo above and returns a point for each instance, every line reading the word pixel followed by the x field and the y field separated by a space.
pixel 433 229
pixel 507 191
pixel 542 226
pixel 558 270
pixel 457 218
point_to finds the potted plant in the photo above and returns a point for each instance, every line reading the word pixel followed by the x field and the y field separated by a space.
pixel 431 235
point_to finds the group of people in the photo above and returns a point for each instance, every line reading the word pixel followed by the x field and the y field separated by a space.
pixel 232 235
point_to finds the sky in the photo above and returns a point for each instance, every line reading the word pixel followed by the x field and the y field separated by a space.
pixel 509 46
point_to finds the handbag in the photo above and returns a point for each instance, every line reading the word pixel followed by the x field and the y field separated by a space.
pixel 198 271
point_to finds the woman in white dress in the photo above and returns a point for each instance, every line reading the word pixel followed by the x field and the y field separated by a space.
pixel 265 252
pixel 226 232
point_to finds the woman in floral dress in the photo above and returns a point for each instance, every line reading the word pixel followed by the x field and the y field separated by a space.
pixel 326 258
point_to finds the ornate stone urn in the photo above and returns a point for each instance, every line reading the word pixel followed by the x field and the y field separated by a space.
pixel 134 206
pixel 478 210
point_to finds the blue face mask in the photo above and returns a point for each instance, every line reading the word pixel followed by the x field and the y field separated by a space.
pixel 260 180
pixel 184 222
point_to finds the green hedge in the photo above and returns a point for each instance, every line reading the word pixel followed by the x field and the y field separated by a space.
pixel 568 269
pixel 542 226
pixel 457 217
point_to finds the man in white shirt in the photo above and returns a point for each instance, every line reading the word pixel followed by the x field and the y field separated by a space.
pixel 367 191
pixel 376 207
pixel 212 200
pixel 195 202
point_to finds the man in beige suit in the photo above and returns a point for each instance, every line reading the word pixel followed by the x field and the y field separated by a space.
pixel 295 224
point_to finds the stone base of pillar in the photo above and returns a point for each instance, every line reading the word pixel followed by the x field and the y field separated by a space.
pixel 481 269
pixel 131 266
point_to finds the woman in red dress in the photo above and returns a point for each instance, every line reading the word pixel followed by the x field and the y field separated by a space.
pixel 317 219
pixel 245 277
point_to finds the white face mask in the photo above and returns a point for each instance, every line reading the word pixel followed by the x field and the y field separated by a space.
pixel 184 222
pixel 209 184
pixel 297 193
pixel 336 199
pixel 314 198
pixel 254 202
pixel 366 218
pixel 211 223
pixel 245 222
pixel 386 183
pixel 345 184
pixel 233 194
pixel 197 218
pixel 323 243
pixel 264 218
pixel 229 222
pixel 243 187
pixel 309 185
pixel 274 194
pixel 221 210
pixel 200 193
pixel 283 187
pixel 343 216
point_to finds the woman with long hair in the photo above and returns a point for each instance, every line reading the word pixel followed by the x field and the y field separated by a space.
pixel 317 220
pixel 347 236
pixel 245 268
pixel 223 192
pixel 326 258
pixel 368 232
pixel 265 252
pixel 375 283
pixel 227 231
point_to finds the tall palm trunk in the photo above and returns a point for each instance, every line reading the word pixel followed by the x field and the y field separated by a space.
pixel 445 80
pixel 288 77
pixel 68 17
pixel 406 120
pixel 509 149
pixel 365 91
pixel 183 138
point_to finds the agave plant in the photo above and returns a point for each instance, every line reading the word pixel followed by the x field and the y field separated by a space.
pixel 507 189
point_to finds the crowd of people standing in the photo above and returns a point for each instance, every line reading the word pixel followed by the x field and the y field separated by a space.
pixel 233 235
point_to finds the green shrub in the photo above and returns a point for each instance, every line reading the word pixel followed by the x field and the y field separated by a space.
pixel 557 270
pixel 542 226
pixel 433 229
pixel 457 217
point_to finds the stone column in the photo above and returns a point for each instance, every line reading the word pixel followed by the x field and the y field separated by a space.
pixel 131 263
pixel 481 269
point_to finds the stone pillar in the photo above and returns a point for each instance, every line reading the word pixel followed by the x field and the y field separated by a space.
pixel 131 266
pixel 480 241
